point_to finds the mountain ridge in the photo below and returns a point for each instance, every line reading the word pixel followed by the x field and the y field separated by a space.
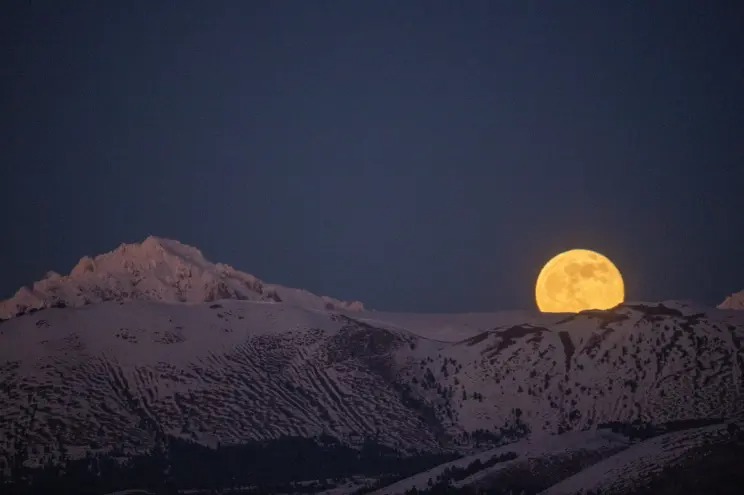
pixel 157 269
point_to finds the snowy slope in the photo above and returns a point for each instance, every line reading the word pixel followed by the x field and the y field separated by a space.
pixel 449 327
pixel 640 462
pixel 233 371
pixel 644 361
pixel 522 451
pixel 227 372
pixel 156 270
pixel 593 461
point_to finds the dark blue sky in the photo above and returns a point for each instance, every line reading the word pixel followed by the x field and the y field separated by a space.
pixel 422 156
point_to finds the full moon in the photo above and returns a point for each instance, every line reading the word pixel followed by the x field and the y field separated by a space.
pixel 576 280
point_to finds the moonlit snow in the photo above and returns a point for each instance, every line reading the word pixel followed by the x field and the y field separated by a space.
pixel 155 334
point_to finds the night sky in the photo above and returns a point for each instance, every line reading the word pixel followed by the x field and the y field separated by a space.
pixel 417 156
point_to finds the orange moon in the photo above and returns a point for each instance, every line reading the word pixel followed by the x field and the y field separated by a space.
pixel 576 280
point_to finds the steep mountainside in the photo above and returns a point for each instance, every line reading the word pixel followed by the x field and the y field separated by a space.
pixel 117 374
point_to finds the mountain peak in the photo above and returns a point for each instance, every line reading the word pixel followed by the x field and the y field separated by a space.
pixel 156 269
pixel 734 301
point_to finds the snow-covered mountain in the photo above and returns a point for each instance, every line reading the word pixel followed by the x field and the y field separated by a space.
pixel 734 301
pixel 156 270
pixel 196 361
